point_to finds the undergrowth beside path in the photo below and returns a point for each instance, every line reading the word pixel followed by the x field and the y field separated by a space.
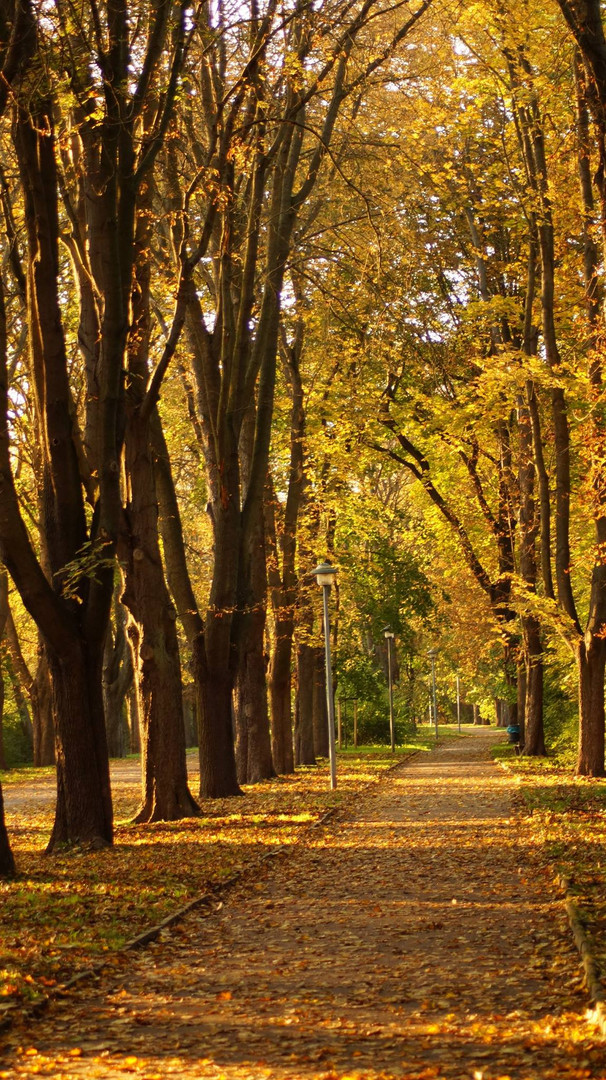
pixel 68 911
pixel 566 816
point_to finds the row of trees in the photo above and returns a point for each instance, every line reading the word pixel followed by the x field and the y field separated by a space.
pixel 358 246
pixel 167 160
pixel 484 321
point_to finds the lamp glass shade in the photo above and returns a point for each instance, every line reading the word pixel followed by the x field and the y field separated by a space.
pixel 324 573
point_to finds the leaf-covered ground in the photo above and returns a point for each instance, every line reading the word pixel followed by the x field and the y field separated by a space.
pixel 566 816
pixel 416 936
pixel 67 911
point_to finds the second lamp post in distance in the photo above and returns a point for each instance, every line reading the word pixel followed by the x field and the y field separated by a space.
pixel 389 636
pixel 432 653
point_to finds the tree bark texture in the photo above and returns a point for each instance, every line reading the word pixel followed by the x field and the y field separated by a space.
pixel 7 862
pixel 84 813
pixel 283 579
pixel 534 737
pixel 320 707
pixel 591 661
pixel 42 711
pixel 253 744
pixel 117 680
pixel 304 709
pixel 81 751
pixel 2 700
pixel 166 796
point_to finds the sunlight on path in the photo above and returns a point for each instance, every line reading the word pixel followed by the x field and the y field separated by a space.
pixel 413 938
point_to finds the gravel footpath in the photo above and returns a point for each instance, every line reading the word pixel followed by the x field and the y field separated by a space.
pixel 415 936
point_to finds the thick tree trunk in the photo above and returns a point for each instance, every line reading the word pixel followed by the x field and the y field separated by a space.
pixel 591 661
pixel 283 581
pixel 133 719
pixel 117 680
pixel 304 710
pixel 42 713
pixel 166 796
pixel 7 862
pixel 534 738
pixel 281 710
pixel 84 807
pixel 2 698
pixel 73 628
pixel 320 713
pixel 522 689
pixel 213 701
pixel 253 745
pixel 218 775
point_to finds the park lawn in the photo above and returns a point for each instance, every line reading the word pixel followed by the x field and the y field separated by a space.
pixel 566 815
pixel 67 911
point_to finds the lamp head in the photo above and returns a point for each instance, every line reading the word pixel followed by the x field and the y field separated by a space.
pixel 324 573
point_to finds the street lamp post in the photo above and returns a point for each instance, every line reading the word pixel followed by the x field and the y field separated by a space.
pixel 432 653
pixel 324 574
pixel 389 636
pixel 459 704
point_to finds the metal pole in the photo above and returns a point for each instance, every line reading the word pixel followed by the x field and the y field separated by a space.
pixel 390 677
pixel 330 701
pixel 435 704
pixel 458 704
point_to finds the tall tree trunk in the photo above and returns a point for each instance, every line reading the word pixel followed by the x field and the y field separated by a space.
pixel 7 862
pixel 532 731
pixel 250 698
pixel 283 579
pixel 135 703
pixel 179 581
pixel 591 661
pixel 320 714
pixel 166 796
pixel 117 680
pixel 534 736
pixel 214 659
pixel 2 700
pixel 280 684
pixel 304 710
pixel 253 744
pixel 73 632
pixel 82 759
pixel 42 711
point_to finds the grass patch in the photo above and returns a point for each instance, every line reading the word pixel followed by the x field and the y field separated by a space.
pixel 567 818
pixel 64 911
pixel 24 774
pixel 424 740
